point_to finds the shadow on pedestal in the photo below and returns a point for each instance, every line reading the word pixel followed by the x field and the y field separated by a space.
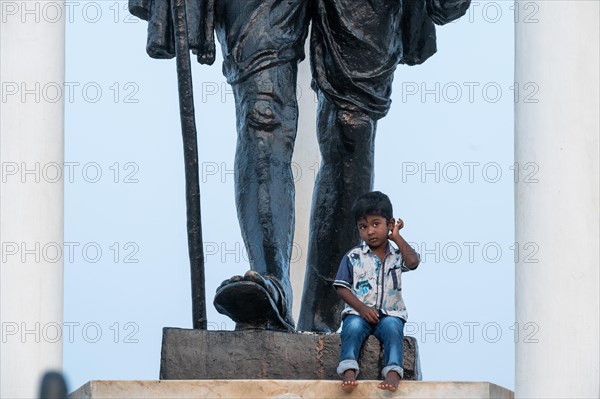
pixel 260 354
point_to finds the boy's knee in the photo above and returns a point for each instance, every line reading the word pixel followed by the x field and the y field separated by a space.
pixel 354 325
pixel 391 324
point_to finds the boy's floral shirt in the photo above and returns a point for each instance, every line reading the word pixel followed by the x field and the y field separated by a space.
pixel 375 283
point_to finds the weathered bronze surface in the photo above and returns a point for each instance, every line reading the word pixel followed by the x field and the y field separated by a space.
pixel 355 47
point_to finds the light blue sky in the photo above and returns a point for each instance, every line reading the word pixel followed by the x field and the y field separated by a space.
pixel 444 155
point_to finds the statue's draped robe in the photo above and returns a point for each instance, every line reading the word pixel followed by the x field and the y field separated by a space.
pixel 417 25
pixel 355 46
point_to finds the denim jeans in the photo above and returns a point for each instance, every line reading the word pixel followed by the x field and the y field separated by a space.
pixel 389 331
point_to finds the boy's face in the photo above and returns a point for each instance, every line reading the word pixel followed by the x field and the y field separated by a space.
pixel 374 230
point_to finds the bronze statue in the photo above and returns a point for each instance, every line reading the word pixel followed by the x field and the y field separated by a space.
pixel 355 47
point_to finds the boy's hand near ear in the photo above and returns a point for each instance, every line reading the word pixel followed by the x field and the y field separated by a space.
pixel 395 233
pixel 411 259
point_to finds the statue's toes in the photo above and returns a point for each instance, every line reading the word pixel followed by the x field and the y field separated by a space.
pixel 255 277
pixel 265 283
pixel 233 279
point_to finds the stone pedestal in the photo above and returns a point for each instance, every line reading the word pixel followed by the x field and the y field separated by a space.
pixel 265 389
pixel 258 354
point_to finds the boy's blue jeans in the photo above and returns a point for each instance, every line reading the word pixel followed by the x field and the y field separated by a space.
pixel 389 331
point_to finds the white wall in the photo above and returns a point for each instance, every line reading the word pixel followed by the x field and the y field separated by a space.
pixel 559 295
pixel 31 196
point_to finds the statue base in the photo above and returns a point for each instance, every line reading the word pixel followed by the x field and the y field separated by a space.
pixel 262 354
pixel 277 389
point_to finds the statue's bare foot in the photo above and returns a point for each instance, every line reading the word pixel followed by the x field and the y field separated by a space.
pixel 349 380
pixel 391 381
pixel 254 301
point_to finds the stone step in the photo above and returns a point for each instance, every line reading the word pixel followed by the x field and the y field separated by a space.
pixel 280 389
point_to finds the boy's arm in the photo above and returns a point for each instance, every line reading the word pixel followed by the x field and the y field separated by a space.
pixel 410 256
pixel 367 313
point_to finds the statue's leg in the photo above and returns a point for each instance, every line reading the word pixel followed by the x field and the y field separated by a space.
pixel 267 115
pixel 346 139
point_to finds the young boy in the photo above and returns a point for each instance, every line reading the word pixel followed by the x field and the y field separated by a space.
pixel 368 280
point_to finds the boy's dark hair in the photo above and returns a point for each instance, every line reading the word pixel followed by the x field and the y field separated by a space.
pixel 373 203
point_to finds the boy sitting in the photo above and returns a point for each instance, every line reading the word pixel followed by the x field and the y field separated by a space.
pixel 368 280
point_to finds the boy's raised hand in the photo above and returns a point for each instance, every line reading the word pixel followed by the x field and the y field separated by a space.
pixel 411 258
pixel 398 225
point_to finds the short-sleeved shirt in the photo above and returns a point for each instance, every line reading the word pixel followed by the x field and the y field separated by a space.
pixel 375 283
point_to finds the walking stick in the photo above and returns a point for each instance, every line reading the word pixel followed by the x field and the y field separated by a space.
pixel 190 157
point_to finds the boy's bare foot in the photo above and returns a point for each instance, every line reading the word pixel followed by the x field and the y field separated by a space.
pixel 349 380
pixel 392 379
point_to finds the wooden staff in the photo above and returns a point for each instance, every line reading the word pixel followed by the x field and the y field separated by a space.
pixel 190 157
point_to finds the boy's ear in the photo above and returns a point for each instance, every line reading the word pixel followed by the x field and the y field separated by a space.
pixel 391 224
